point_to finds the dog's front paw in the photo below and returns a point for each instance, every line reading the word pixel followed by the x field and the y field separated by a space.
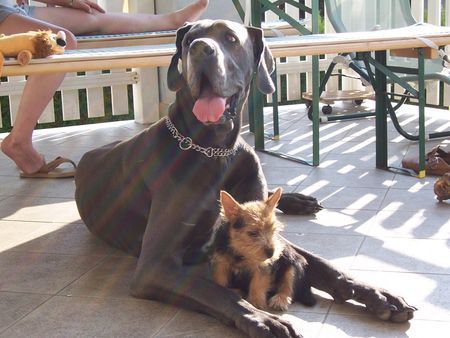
pixel 259 324
pixel 298 204
pixel 280 302
pixel 387 306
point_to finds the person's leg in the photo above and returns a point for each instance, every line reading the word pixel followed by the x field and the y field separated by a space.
pixel 80 22
pixel 38 91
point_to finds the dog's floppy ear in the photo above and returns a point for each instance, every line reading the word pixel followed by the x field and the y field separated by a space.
pixel 174 77
pixel 263 60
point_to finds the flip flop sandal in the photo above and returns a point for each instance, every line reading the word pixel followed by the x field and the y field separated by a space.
pixel 437 162
pixel 52 170
pixel 442 187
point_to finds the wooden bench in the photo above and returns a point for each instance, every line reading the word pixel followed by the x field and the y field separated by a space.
pixel 156 55
pixel 295 45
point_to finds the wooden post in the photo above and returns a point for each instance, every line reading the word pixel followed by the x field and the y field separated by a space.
pixel 146 91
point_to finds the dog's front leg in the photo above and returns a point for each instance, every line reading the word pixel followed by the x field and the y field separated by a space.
pixel 161 275
pixel 383 304
pixel 187 286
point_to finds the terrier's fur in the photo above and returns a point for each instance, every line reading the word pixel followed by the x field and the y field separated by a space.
pixel 250 255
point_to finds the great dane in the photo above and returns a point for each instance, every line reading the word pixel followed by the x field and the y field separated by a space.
pixel 156 195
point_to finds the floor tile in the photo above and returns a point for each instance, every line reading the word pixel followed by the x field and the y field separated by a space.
pixel 340 249
pixel 322 307
pixel 329 221
pixel 14 306
pixel 413 184
pixel 190 324
pixel 39 209
pixel 340 162
pixel 62 188
pixel 81 317
pixel 292 176
pixel 338 326
pixel 308 324
pixel 406 200
pixel 41 273
pixel 403 254
pixel 109 279
pixel 422 223
pixel 56 238
pixel 351 177
pixel 347 198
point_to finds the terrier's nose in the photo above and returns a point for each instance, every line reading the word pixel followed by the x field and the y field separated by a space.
pixel 269 252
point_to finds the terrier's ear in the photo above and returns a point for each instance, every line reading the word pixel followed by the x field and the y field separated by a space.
pixel 230 207
pixel 274 198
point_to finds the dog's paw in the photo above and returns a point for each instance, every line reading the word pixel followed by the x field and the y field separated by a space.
pixel 280 302
pixel 298 204
pixel 392 308
pixel 260 324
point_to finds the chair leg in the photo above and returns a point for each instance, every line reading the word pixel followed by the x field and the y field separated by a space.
pixel 422 96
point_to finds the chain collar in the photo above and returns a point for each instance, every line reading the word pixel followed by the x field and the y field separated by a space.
pixel 185 143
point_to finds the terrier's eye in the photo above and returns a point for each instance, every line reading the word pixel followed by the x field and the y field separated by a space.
pixel 253 233
pixel 231 38
pixel 238 224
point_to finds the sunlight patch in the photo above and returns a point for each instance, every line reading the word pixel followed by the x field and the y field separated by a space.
pixel 346 169
pixel 297 180
pixel 363 201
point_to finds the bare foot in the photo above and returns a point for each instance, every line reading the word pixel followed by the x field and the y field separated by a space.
pixel 24 155
pixel 189 13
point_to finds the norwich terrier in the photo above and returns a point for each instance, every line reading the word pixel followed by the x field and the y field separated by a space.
pixel 249 254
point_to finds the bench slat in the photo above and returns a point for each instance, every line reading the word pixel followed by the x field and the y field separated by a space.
pixel 160 55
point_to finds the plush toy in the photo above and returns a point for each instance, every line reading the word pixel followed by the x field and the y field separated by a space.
pixel 25 46
pixel 442 187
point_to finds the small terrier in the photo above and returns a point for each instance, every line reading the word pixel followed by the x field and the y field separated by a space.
pixel 249 254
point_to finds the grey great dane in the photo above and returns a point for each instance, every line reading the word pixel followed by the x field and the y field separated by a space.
pixel 156 195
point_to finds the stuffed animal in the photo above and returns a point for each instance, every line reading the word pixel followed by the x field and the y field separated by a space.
pixel 442 187
pixel 25 46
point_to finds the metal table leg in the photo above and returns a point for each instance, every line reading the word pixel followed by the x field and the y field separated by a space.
pixel 381 113
pixel 422 96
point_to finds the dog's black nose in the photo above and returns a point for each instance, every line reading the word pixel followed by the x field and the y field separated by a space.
pixel 61 42
pixel 199 47
pixel 269 252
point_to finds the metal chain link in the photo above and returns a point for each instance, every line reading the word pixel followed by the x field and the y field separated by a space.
pixel 185 143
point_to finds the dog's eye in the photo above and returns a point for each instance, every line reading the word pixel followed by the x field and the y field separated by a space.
pixel 238 224
pixel 253 233
pixel 231 38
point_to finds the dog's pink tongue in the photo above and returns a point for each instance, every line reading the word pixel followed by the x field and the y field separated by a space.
pixel 209 107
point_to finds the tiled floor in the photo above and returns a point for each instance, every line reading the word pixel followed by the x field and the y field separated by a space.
pixel 58 280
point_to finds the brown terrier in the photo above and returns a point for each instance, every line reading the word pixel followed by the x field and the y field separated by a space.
pixel 250 255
